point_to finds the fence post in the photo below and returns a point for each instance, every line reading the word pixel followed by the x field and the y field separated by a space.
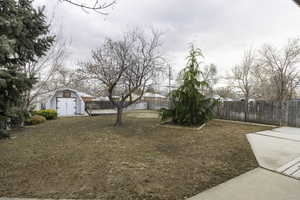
pixel 246 110
pixel 298 114
pixel 286 113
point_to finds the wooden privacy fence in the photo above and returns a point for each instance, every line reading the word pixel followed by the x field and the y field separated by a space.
pixel 265 112
pixel 156 105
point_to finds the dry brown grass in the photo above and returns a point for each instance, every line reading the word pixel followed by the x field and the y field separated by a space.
pixel 88 158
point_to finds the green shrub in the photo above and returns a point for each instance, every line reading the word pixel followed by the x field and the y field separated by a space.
pixel 3 134
pixel 35 119
pixel 48 114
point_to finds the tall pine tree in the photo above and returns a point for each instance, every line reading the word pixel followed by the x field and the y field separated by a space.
pixel 188 105
pixel 23 38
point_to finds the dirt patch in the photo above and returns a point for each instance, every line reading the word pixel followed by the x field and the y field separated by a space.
pixel 87 157
pixel 176 126
pixel 143 114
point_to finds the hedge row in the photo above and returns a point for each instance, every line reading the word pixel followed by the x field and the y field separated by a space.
pixel 48 114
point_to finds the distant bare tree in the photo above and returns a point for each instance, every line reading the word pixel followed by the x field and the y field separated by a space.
pixel 242 78
pixel 225 92
pixel 209 75
pixel 71 78
pixel 96 5
pixel 44 69
pixel 125 67
pixel 63 78
pixel 281 68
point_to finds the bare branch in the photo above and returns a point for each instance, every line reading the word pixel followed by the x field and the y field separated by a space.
pixel 96 6
pixel 297 2
pixel 242 74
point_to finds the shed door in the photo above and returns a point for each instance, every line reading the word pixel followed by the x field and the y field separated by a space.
pixel 66 106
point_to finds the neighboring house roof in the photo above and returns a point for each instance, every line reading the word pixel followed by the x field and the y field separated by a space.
pixel 217 97
pixel 82 94
pixel 249 100
pixel 102 99
pixel 152 95
pixel 228 99
pixel 106 98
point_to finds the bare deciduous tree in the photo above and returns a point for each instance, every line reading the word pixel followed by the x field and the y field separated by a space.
pixel 125 67
pixel 281 71
pixel 281 68
pixel 241 77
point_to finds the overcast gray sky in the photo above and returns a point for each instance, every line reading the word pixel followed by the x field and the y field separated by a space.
pixel 223 29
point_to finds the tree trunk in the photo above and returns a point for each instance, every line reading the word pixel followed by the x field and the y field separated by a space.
pixel 3 129
pixel 119 117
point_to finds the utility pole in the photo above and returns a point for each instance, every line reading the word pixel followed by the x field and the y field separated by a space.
pixel 170 78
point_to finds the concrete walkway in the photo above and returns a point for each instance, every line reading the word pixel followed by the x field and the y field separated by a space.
pixel 258 184
pixel 278 178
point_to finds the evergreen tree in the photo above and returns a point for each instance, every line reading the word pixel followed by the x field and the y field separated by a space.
pixel 23 38
pixel 188 105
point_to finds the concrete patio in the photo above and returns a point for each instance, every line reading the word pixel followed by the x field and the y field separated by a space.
pixel 278 150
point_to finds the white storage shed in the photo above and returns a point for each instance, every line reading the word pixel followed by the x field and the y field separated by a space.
pixel 67 102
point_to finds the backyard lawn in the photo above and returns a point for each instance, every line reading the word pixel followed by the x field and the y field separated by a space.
pixel 86 157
